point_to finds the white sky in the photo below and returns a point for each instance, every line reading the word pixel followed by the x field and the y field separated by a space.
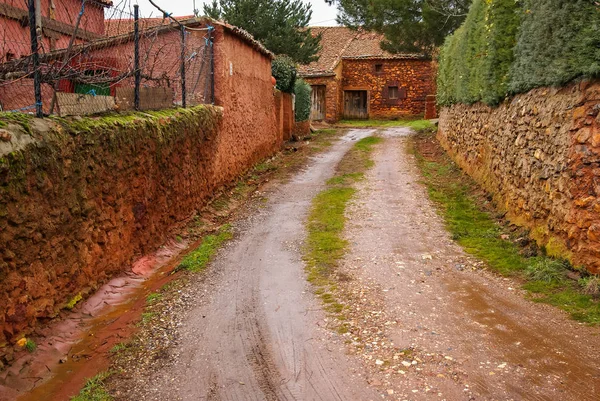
pixel 323 14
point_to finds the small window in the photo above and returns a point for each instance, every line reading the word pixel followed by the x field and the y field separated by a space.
pixel 378 68
pixel 393 92
pixel 10 56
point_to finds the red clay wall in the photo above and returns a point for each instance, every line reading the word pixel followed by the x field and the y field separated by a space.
pixel 415 76
pixel 82 201
pixel 244 88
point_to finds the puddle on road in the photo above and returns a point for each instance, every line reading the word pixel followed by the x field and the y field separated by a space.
pixel 83 340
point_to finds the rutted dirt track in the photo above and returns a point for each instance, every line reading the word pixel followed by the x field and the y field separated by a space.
pixel 432 326
pixel 257 335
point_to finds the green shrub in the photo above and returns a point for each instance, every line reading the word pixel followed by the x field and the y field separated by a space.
pixel 559 40
pixel 283 68
pixel 512 46
pixel 475 60
pixel 302 104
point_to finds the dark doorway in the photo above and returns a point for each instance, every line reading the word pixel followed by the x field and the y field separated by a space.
pixel 355 104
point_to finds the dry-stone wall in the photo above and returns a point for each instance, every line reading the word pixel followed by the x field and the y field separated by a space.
pixel 539 155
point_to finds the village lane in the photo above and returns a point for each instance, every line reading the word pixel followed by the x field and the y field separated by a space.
pixel 444 328
pixel 433 324
pixel 257 332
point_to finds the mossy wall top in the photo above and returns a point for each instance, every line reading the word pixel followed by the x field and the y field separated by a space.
pixel 81 198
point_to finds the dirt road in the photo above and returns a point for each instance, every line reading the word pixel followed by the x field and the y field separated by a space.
pixel 431 326
pixel 259 334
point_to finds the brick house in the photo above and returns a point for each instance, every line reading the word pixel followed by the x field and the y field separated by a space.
pixel 355 78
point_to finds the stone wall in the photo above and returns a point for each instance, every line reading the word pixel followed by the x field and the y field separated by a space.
pixel 539 155
pixel 415 77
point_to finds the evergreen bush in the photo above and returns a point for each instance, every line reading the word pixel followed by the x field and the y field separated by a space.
pixel 559 40
pixel 512 46
pixel 302 104
pixel 283 68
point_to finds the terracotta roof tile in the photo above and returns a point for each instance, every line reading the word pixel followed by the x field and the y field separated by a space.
pixel 333 42
pixel 343 43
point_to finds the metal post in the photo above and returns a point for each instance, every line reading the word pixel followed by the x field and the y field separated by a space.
pixel 183 91
pixel 212 64
pixel 136 52
pixel 37 86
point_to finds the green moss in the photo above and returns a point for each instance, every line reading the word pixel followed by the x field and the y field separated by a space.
pixel 22 119
pixel 73 301
pixel 198 259
pixel 94 389
pixel 557 249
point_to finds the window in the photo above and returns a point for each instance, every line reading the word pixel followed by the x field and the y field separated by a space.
pixel 10 56
pixel 393 92
pixel 378 68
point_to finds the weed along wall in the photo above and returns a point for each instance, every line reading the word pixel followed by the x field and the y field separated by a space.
pixel 80 199
pixel 539 155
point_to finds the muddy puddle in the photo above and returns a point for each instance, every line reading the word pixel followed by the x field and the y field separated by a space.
pixel 78 346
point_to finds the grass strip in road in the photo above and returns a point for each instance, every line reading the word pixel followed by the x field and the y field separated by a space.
pixel 414 124
pixel 325 245
pixel 198 259
pixel 478 228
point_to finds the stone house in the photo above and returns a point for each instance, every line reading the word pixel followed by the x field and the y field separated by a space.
pixel 355 78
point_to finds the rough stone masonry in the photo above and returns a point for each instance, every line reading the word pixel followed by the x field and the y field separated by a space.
pixel 539 155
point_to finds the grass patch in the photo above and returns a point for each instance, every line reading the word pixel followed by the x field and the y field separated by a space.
pixel 151 298
pixel 325 245
pixel 414 124
pixel 470 219
pixel 118 348
pixel 198 259
pixel 94 389
pixel 147 316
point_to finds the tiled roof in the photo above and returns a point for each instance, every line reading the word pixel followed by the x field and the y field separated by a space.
pixel 343 43
pixel 333 42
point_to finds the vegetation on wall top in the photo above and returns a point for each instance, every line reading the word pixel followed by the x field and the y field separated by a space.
pixel 283 68
pixel 511 46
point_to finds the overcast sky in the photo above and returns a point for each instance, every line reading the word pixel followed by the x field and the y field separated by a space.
pixel 323 14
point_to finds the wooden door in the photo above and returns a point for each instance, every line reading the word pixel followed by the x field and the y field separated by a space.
pixel 317 103
pixel 355 104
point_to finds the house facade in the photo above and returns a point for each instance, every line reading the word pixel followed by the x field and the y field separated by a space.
pixel 355 78
pixel 58 19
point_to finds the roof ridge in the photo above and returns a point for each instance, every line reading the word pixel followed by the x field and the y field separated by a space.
pixel 341 53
